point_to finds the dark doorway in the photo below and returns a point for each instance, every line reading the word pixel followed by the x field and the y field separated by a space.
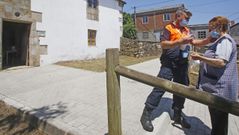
pixel 15 43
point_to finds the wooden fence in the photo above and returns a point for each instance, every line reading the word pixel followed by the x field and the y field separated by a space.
pixel 114 70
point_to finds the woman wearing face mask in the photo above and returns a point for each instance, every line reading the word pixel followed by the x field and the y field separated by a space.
pixel 218 70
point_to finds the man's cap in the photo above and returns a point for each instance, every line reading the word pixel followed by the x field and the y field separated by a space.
pixel 180 10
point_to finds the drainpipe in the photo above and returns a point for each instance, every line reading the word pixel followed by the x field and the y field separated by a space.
pixel 155 26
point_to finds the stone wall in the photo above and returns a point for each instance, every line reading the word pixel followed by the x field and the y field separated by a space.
pixel 137 49
pixel 19 11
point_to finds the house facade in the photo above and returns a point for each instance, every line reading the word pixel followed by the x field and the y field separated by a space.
pixel 150 23
pixel 19 42
pixel 199 31
pixel 78 29
pixel 38 32
pixel 234 32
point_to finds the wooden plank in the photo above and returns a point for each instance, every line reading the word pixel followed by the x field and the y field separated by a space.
pixel 113 92
pixel 181 90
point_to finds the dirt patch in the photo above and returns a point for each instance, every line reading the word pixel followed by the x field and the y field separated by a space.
pixel 98 65
pixel 11 122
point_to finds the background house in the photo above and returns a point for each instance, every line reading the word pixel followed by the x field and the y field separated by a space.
pixel 200 31
pixel 234 31
pixel 150 23
pixel 78 29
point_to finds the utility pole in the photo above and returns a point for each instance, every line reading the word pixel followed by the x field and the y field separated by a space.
pixel 134 15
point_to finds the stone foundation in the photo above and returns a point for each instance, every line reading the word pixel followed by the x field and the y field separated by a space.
pixel 137 49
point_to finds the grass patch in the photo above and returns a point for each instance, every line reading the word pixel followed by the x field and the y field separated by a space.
pixel 98 65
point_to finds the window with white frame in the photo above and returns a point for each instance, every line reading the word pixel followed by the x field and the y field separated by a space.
pixel 167 17
pixel 145 19
pixel 202 34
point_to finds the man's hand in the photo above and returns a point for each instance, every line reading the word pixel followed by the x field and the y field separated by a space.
pixel 171 44
pixel 185 40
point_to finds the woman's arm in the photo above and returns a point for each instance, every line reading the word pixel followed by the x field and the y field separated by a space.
pixel 201 43
pixel 215 62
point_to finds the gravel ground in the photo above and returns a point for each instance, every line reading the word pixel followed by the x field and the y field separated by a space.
pixel 11 122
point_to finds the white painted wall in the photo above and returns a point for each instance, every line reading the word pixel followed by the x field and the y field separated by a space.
pixel 66 27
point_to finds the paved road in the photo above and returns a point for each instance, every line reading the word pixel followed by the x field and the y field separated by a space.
pixel 75 100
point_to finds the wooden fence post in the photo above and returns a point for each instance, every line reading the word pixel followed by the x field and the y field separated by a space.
pixel 113 92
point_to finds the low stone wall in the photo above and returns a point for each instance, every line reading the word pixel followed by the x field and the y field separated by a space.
pixel 137 49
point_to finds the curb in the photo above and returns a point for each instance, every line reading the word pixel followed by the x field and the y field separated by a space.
pixel 50 127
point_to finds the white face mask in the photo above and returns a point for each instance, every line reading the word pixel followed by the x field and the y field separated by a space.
pixel 183 23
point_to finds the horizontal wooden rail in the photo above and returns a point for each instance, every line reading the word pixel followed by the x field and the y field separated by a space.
pixel 181 90
pixel 114 70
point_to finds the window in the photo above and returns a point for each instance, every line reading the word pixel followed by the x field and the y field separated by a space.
pixel 145 35
pixel 166 17
pixel 145 19
pixel 92 10
pixel 202 34
pixel 92 3
pixel 92 37
pixel 41 33
pixel 120 19
pixel 157 35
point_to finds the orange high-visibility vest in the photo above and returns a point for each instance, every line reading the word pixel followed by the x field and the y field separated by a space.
pixel 175 33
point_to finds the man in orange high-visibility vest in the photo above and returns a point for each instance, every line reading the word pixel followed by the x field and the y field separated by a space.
pixel 174 66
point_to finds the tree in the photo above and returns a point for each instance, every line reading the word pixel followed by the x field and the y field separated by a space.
pixel 129 30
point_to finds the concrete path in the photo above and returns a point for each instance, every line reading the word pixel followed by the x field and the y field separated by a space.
pixel 74 100
pixel 198 115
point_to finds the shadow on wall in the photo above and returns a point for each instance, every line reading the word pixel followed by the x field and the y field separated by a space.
pixel 15 122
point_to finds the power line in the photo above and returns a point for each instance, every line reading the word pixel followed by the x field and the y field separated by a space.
pixel 155 3
pixel 166 1
pixel 235 19
pixel 206 12
pixel 208 3
pixel 232 14
pixel 148 5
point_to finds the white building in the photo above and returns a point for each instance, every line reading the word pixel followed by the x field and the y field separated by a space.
pixel 78 29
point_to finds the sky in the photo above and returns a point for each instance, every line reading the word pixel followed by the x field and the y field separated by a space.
pixel 203 10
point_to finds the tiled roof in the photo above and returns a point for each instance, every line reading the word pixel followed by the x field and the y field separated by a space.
pixel 161 8
pixel 122 1
pixel 234 25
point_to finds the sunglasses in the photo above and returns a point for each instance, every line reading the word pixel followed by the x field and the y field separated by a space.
pixel 187 18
